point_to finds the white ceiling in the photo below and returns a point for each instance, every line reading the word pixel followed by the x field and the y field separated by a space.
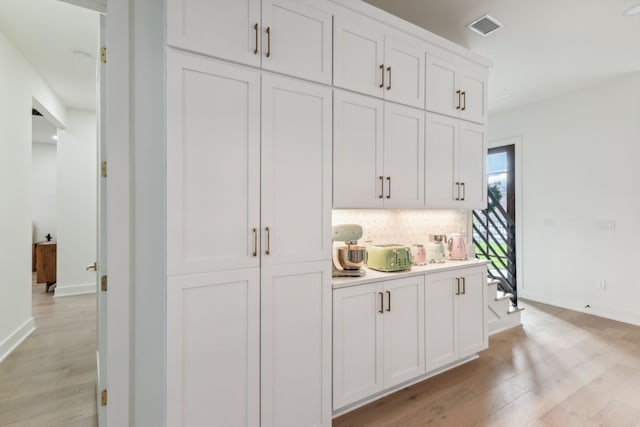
pixel 43 130
pixel 47 32
pixel 546 48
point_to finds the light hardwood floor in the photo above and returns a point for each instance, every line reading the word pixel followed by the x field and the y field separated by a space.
pixel 49 380
pixel 561 369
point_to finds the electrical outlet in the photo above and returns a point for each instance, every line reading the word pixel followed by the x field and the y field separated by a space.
pixel 602 284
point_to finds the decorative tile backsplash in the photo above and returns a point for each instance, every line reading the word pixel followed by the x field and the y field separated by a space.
pixel 402 226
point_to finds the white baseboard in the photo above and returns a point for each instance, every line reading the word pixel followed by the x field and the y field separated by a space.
pixel 69 290
pixel 14 340
pixel 595 309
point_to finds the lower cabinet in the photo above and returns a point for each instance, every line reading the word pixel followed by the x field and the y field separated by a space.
pixel 455 310
pixel 378 337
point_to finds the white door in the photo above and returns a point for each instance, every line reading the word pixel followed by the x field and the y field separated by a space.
pixel 441 190
pixel 442 87
pixel 441 320
pixel 213 349
pixel 296 171
pixel 403 156
pixel 101 249
pixel 358 49
pixel 404 351
pixel 357 343
pixel 472 310
pixel 357 151
pixel 473 85
pixel 296 345
pixel 472 160
pixel 213 165
pixel 296 40
pixel 405 73
pixel 228 29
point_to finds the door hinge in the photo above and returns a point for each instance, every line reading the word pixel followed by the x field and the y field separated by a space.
pixel 103 169
pixel 103 283
pixel 103 397
pixel 103 54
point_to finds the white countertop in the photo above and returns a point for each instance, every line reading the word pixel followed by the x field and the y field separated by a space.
pixel 377 276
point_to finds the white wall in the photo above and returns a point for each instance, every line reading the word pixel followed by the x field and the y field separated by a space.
pixel 18 85
pixel 580 171
pixel 44 192
pixel 76 213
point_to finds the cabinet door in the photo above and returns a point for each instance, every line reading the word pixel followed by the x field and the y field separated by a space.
pixel 473 85
pixel 404 352
pixel 472 313
pixel 441 320
pixel 213 164
pixel 403 156
pixel 472 160
pixel 405 73
pixel 296 171
pixel 213 349
pixel 357 151
pixel 296 345
pixel 442 84
pixel 296 40
pixel 440 162
pixel 358 49
pixel 357 343
pixel 222 28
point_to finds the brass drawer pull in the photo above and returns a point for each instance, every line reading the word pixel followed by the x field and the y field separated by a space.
pixel 268 42
pixel 268 230
pixel 255 242
pixel 382 74
pixel 464 285
pixel 255 27
pixel 389 70
pixel 458 106
pixel 464 191
pixel 464 101
pixel 457 191
pixel 389 183
pixel 457 286
pixel 389 301
pixel 381 187
pixel 381 302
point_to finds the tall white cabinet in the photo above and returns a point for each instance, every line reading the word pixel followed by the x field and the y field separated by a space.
pixel 248 304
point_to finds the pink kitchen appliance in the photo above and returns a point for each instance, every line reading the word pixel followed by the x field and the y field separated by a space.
pixel 456 247
pixel 418 254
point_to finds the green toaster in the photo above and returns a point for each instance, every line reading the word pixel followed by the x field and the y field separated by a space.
pixel 389 258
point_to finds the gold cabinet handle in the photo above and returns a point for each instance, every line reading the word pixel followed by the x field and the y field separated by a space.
pixel 92 267
pixel 255 27
pixel 464 100
pixel 389 301
pixel 382 74
pixel 458 93
pixel 381 187
pixel 464 285
pixel 464 191
pixel 457 286
pixel 268 42
pixel 457 191
pixel 389 184
pixel 255 242
pixel 268 230
pixel 381 302
pixel 389 70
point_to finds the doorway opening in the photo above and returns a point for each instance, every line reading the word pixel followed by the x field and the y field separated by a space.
pixel 494 228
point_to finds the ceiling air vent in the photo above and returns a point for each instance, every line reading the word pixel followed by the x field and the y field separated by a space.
pixel 485 25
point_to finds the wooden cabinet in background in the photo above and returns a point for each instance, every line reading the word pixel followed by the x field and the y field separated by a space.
pixel 46 263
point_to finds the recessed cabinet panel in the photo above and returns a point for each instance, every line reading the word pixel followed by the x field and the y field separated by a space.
pixel 213 139
pixel 440 161
pixel 441 320
pixel 472 171
pixel 296 345
pixel 357 56
pixel 221 28
pixel 474 101
pixel 403 156
pixel 405 73
pixel 296 171
pixel 441 85
pixel 357 151
pixel 296 40
pixel 473 334
pixel 213 349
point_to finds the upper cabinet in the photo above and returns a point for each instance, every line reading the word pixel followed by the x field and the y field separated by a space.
pixel 278 35
pixel 370 59
pixel 456 87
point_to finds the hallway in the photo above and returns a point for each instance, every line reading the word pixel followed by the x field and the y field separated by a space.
pixel 49 380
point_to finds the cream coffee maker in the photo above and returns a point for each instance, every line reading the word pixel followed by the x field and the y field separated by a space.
pixel 349 258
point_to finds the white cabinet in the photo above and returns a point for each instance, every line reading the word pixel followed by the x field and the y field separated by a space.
pixel 369 60
pixel 455 156
pixel 213 349
pixel 378 153
pixel 279 35
pixel 248 246
pixel 378 337
pixel 456 87
pixel 455 312
pixel 296 345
